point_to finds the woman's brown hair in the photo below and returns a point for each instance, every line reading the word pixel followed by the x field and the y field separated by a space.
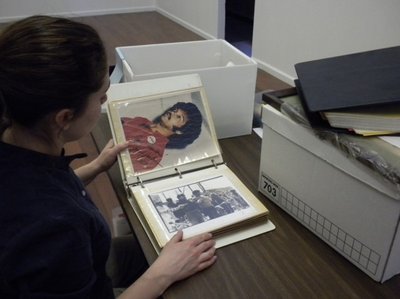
pixel 47 64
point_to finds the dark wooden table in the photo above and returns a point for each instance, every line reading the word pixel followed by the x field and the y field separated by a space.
pixel 289 262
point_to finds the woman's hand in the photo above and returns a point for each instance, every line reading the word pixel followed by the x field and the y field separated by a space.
pixel 178 260
pixel 109 154
pixel 103 162
pixel 182 258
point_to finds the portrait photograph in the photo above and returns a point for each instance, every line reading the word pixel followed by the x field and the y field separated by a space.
pixel 165 131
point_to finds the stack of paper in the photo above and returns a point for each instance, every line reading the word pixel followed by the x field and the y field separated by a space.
pixel 371 120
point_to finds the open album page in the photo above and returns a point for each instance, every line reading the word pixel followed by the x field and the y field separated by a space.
pixel 209 200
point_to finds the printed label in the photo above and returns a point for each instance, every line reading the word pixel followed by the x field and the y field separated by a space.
pixel 269 188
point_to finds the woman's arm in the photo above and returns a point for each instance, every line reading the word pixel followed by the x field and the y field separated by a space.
pixel 103 162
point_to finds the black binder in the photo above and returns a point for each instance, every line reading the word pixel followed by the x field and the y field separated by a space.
pixel 354 80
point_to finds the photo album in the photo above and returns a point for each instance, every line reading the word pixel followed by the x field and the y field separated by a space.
pixel 173 168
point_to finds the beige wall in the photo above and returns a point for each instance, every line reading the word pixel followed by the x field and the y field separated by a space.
pixel 287 32
pixel 205 17
pixel 15 9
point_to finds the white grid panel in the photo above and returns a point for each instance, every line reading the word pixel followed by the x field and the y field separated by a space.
pixel 331 233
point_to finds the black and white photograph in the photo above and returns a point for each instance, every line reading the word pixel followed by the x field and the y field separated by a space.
pixel 197 203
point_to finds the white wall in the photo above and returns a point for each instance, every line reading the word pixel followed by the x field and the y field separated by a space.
pixel 287 32
pixel 16 9
pixel 205 17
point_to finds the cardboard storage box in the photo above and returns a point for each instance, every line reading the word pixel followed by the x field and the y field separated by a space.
pixel 228 76
pixel 339 199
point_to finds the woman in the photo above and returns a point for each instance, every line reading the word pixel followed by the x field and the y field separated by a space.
pixel 176 128
pixel 54 243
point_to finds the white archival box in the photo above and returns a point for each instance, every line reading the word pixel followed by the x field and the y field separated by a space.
pixel 228 76
pixel 339 199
